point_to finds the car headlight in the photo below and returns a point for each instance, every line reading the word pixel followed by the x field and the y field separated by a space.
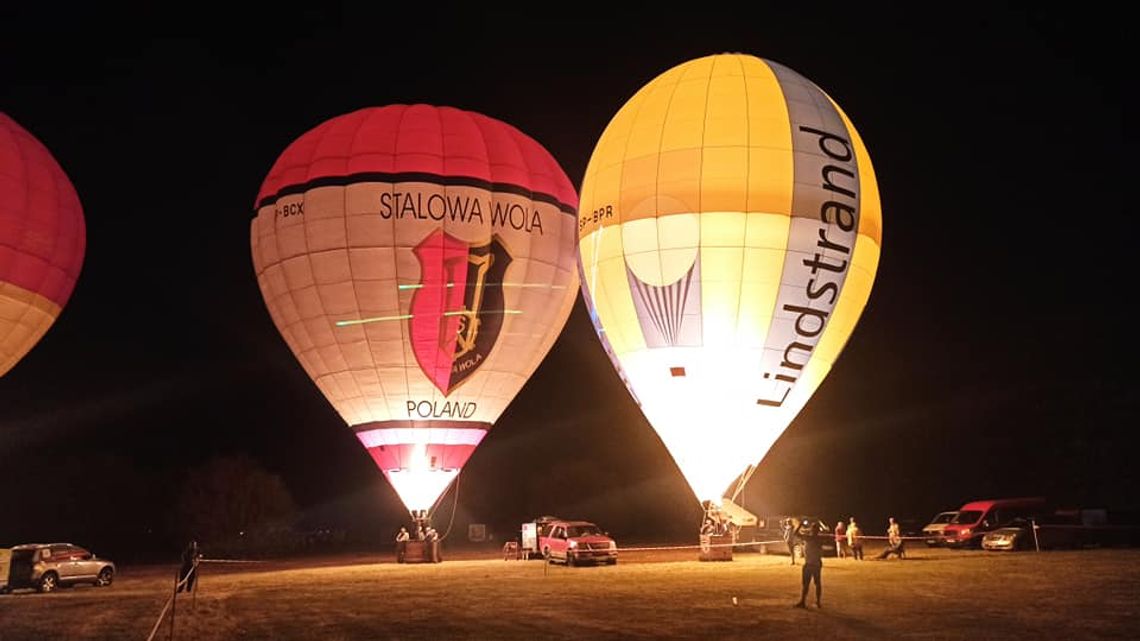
pixel 965 532
pixel 573 544
pixel 613 546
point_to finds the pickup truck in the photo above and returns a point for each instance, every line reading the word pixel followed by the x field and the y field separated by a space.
pixel 575 542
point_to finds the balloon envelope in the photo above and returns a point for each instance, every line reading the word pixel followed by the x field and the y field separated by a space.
pixel 729 234
pixel 42 241
pixel 419 261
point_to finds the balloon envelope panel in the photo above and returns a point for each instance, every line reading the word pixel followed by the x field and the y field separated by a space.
pixel 42 241
pixel 420 262
pixel 729 234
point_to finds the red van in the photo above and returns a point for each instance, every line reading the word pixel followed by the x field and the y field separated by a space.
pixel 978 517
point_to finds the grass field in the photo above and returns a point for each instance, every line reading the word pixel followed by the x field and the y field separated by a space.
pixel 933 594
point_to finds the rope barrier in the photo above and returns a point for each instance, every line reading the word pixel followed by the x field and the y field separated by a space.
pixel 744 544
pixel 697 547
pixel 170 602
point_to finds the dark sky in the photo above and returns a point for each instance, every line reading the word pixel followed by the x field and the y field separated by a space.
pixel 995 356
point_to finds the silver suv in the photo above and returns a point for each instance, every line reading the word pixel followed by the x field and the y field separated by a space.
pixel 47 566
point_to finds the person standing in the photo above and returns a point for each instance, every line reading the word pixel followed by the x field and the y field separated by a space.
pixel 855 539
pixel 402 538
pixel 789 531
pixel 840 538
pixel 894 540
pixel 810 536
pixel 189 569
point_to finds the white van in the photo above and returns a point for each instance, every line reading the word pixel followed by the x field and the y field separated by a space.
pixel 933 530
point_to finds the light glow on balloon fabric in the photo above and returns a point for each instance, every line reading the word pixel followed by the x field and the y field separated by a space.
pixel 419 261
pixel 42 241
pixel 729 235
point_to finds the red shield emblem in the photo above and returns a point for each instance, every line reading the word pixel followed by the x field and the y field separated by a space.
pixel 457 311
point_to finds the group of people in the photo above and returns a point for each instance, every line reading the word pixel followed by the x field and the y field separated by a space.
pixel 848 540
pixel 423 533
pixel 715 526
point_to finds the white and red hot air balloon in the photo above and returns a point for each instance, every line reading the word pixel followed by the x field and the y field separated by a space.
pixel 419 261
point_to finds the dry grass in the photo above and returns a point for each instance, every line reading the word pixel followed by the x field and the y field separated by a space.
pixel 933 595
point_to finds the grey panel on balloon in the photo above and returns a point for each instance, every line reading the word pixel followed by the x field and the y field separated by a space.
pixel 671 314
pixel 821 238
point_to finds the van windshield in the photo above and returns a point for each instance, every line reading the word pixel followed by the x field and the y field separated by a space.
pixel 945 517
pixel 968 517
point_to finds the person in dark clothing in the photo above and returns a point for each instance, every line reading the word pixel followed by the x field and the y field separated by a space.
pixel 788 527
pixel 811 537
pixel 187 573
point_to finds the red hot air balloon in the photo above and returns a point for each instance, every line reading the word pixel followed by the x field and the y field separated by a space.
pixel 42 240
pixel 419 261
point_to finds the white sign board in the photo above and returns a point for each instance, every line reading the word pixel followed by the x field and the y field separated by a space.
pixel 530 537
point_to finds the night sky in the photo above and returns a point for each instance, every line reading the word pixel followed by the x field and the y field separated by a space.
pixel 995 357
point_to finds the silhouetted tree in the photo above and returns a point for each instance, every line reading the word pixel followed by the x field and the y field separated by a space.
pixel 232 505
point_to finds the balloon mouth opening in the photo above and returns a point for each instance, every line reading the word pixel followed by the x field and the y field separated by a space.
pixel 419 489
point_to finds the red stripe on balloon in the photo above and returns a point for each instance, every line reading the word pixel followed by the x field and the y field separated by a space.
pixel 393 457
pixel 419 139
pixel 42 234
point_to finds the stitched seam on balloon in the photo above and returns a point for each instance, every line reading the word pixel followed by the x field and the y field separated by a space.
pixel 747 189
pixel 405 328
pixel 352 282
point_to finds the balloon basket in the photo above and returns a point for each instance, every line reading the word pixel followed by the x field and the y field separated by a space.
pixel 421 552
pixel 717 547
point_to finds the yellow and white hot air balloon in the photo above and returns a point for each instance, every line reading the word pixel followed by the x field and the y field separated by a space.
pixel 729 234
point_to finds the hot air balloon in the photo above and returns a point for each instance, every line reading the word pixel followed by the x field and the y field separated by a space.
pixel 729 234
pixel 42 240
pixel 419 261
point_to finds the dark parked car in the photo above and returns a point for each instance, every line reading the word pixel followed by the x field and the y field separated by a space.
pixel 47 566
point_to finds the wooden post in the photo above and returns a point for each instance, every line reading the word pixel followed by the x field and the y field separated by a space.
pixel 174 601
